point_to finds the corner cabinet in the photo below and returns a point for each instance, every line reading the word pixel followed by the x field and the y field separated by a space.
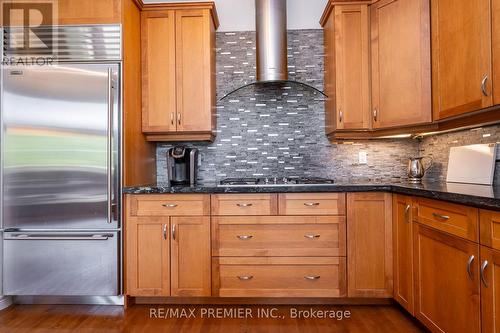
pixel 167 245
pixel 462 56
pixel 178 82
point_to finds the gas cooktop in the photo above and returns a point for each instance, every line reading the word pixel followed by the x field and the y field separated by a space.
pixel 283 181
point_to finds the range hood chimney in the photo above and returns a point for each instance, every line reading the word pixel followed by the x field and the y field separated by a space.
pixel 270 23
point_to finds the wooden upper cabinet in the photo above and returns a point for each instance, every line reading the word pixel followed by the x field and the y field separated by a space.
pixel 329 78
pixel 461 53
pixel 89 11
pixel 352 88
pixel 490 290
pixel 158 72
pixel 191 257
pixel 179 97
pixel 401 63
pixel 403 251
pixel 446 281
pixel 369 245
pixel 194 72
pixel 495 5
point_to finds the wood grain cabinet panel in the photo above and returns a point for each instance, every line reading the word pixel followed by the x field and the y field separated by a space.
pixel 191 260
pixel 401 63
pixel 455 219
pixel 312 204
pixel 461 56
pixel 490 228
pixel 279 277
pixel 244 204
pixel 446 281
pixel 490 290
pixel 147 257
pixel 89 11
pixel 495 6
pixel 329 75
pixel 369 245
pixel 269 236
pixel 352 67
pixel 403 251
pixel 170 205
pixel 158 72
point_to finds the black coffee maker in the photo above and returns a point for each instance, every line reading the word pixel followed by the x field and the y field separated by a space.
pixel 181 165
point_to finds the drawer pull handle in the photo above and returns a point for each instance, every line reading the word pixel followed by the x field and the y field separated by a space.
pixel 483 278
pixel 312 236
pixel 245 277
pixel 315 277
pixel 243 205
pixel 311 204
pixel 439 216
pixel 469 267
pixel 169 205
pixel 245 237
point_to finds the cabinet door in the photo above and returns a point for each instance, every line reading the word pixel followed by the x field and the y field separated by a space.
pixel 401 63
pixel 352 66
pixel 158 72
pixel 369 245
pixel 191 257
pixel 490 289
pixel 194 44
pixel 446 281
pixel 403 251
pixel 495 5
pixel 148 257
pixel 461 53
pixel 89 11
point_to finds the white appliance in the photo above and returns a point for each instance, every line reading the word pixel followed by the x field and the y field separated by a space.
pixel 474 164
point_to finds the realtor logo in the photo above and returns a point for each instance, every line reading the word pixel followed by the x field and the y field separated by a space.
pixel 29 29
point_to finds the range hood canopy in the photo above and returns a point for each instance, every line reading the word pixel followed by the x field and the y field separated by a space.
pixel 271 35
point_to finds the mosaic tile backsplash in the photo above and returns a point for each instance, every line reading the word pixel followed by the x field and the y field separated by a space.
pixel 438 147
pixel 278 130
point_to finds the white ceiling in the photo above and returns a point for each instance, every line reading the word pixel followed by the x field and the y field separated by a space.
pixel 239 15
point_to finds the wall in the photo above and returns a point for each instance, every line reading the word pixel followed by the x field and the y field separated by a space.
pixel 279 130
pixel 438 147
pixel 239 15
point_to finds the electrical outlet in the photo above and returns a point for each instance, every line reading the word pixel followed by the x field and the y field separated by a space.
pixel 363 157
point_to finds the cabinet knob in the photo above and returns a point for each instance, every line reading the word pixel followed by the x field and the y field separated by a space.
pixel 311 204
pixel 244 237
pixel 407 213
pixel 245 277
pixel 441 217
pixel 312 236
pixel 483 278
pixel 469 267
pixel 375 114
pixel 314 277
pixel 341 115
pixel 243 205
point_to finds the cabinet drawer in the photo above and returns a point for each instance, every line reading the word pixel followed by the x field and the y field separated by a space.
pixel 490 228
pixel 279 277
pixel 244 204
pixel 455 219
pixel 169 205
pixel 279 236
pixel 312 204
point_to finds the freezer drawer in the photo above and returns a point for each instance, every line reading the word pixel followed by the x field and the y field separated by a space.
pixel 62 264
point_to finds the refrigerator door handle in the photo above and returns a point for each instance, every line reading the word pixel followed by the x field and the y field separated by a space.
pixel 111 197
pixel 98 237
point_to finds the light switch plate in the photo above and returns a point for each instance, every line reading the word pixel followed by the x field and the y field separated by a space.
pixel 363 157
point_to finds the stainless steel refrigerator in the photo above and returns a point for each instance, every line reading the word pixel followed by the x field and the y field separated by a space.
pixel 61 179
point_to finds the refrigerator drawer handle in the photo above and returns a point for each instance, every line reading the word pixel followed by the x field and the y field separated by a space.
pixel 36 237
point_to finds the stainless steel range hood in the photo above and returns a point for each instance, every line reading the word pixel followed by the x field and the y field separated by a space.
pixel 272 57
pixel 270 23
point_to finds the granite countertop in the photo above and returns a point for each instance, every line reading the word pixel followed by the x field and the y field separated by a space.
pixel 486 197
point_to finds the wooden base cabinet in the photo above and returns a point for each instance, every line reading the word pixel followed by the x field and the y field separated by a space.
pixel 447 296
pixel 369 245
pixel 403 251
pixel 167 255
pixel 490 289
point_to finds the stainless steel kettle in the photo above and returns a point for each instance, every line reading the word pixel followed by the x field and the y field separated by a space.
pixel 417 169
